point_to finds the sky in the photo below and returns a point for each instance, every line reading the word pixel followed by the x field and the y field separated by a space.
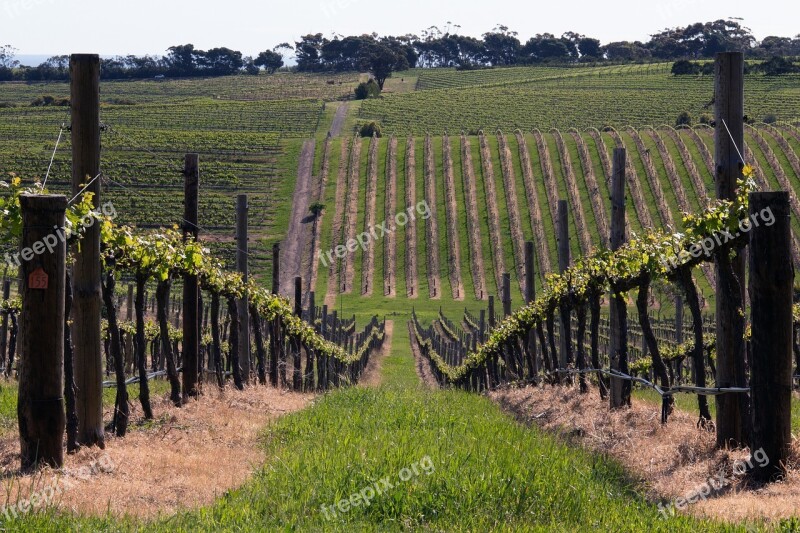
pixel 111 27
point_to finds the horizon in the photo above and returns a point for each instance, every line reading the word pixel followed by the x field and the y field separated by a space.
pixel 37 27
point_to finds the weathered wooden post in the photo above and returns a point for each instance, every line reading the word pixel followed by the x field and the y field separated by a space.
pixel 241 267
pixel 274 341
pixel 492 318
pixel 87 291
pixel 191 285
pixel 506 294
pixel 771 282
pixel 129 304
pixel 620 389
pixel 729 144
pixel 40 409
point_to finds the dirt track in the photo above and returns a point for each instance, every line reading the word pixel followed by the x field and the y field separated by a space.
pixel 293 263
pixel 338 119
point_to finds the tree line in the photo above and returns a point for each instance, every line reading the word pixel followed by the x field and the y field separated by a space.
pixel 179 62
pixel 434 47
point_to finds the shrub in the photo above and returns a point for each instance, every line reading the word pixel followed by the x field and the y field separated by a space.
pixel 685 68
pixel 684 119
pixel 777 66
pixel 707 119
pixel 770 119
pixel 370 129
pixel 367 89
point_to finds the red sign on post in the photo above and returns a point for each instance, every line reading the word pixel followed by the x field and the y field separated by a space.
pixel 38 280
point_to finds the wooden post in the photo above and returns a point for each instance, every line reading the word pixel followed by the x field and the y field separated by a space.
pixel 129 304
pixel 241 267
pixel 563 265
pixel 191 285
pixel 620 389
pixel 506 294
pixel 40 410
pixel 530 297
pixel 87 291
pixel 482 325
pixel 4 325
pixel 771 282
pixel 492 319
pixel 274 341
pixel 729 143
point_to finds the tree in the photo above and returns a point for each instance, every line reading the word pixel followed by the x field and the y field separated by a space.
pixel 221 61
pixel 381 61
pixel 371 129
pixel 684 119
pixel 685 68
pixel 7 62
pixel 367 89
pixel 626 51
pixel 270 60
pixel 501 46
pixel 308 52
pixel 590 48
pixel 777 66
pixel 182 60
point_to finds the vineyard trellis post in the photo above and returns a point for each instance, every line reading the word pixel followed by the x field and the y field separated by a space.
pixel 191 285
pixel 40 408
pixel 274 327
pixel 771 282
pixel 563 265
pixel 129 304
pixel 87 291
pixel 506 294
pixel 620 389
pixel 241 266
pixel 732 416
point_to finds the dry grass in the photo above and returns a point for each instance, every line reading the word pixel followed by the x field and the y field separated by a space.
pixel 184 459
pixel 671 461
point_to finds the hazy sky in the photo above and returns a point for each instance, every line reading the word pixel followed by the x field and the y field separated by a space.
pixel 149 26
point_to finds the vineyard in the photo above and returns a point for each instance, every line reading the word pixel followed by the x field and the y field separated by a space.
pixel 280 86
pixel 518 241
pixel 567 98
pixel 507 186
pixel 245 147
